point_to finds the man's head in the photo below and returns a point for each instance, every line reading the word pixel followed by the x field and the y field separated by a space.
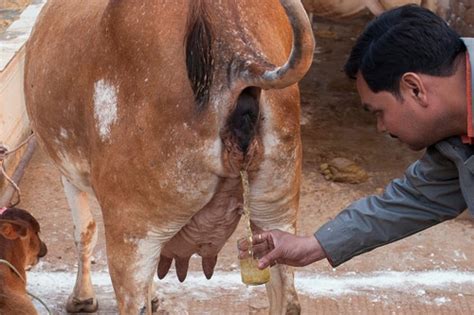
pixel 400 62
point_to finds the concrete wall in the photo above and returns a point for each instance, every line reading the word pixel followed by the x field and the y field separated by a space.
pixel 14 124
pixel 460 16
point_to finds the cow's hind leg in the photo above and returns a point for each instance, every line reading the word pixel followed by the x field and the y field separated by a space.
pixel 281 290
pixel 83 297
pixel 279 214
pixel 132 253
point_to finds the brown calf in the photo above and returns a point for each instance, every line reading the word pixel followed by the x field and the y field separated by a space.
pixel 20 248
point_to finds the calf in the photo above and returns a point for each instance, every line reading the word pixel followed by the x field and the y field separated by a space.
pixel 20 248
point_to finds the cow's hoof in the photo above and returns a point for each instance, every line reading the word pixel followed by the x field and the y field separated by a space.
pixel 155 303
pixel 293 309
pixel 74 305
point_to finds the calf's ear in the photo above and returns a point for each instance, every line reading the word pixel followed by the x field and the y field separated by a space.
pixel 11 230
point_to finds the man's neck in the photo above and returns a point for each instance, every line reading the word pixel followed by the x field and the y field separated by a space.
pixel 453 97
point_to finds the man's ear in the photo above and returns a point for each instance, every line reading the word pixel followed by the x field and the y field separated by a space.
pixel 411 85
pixel 12 230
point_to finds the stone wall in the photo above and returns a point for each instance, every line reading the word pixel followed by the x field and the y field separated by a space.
pixel 460 16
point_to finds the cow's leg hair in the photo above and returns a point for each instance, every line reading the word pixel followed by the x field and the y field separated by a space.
pixel 133 261
pixel 155 302
pixel 375 7
pixel 83 297
pixel 281 290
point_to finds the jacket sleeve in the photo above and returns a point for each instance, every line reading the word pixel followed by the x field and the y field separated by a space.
pixel 428 194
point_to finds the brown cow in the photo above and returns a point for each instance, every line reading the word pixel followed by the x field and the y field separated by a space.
pixel 154 107
pixel 342 9
pixel 20 248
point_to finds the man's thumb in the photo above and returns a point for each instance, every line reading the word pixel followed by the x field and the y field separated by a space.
pixel 267 260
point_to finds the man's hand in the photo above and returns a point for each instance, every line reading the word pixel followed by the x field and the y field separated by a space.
pixel 280 247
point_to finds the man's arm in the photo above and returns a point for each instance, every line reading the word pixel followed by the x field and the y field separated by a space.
pixel 428 194
pixel 278 247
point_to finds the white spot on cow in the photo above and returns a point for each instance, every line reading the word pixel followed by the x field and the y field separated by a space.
pixel 271 142
pixel 270 137
pixel 148 252
pixel 105 107
pixel 83 227
pixel 63 133
pixel 75 167
pixel 163 183
pixel 442 300
pixel 215 150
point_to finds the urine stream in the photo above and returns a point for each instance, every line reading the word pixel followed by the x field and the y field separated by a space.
pixel 246 202
pixel 250 273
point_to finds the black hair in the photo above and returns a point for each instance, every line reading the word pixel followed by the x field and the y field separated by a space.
pixel 406 39
pixel 199 55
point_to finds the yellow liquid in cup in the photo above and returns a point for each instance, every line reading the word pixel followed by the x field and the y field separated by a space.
pixel 250 273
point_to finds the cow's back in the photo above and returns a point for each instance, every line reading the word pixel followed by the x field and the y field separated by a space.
pixel 101 85
pixel 60 56
pixel 107 80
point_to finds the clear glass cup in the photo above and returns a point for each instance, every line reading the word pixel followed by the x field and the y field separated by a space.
pixel 249 271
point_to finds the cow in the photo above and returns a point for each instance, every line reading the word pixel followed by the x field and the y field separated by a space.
pixel 342 9
pixel 20 249
pixel 154 108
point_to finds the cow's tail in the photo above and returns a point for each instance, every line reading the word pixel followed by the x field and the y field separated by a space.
pixel 301 56
pixel 375 7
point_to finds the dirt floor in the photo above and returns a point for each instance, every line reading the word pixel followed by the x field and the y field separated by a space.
pixel 431 272
pixel 10 11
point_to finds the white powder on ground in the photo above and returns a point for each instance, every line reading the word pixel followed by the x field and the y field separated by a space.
pixel 380 287
pixel 309 284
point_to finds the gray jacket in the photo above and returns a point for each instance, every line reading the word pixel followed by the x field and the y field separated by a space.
pixel 436 188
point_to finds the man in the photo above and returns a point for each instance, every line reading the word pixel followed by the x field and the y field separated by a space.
pixel 414 73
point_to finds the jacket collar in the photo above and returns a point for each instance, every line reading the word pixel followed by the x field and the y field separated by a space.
pixel 469 42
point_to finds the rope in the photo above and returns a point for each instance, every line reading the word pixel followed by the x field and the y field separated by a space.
pixel 6 262
pixel 8 152
pixel 4 153
pixel 17 189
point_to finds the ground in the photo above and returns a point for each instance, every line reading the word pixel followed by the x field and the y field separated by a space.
pixel 429 272
pixel 10 10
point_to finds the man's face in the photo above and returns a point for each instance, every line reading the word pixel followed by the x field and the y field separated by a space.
pixel 402 117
